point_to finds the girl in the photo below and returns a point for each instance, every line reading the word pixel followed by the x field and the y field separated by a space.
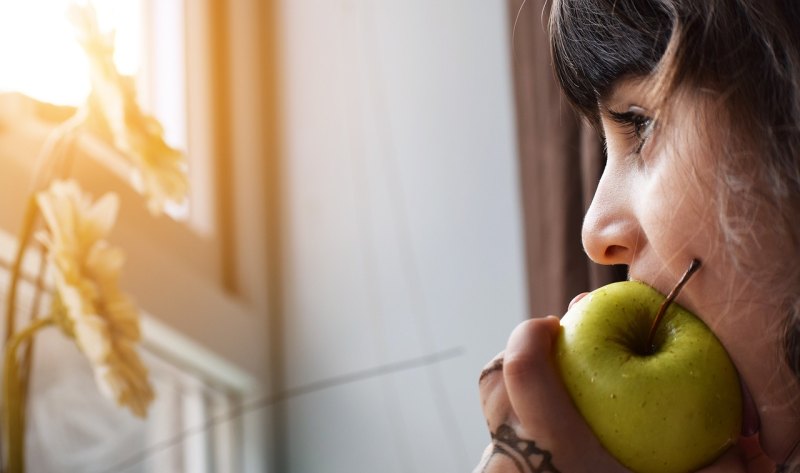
pixel 699 105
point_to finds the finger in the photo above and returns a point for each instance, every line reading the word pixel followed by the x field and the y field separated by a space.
pixel 576 299
pixel 494 399
pixel 495 462
pixel 530 379
pixel 753 456
pixel 482 464
pixel 541 402
pixel 731 461
pixel 496 365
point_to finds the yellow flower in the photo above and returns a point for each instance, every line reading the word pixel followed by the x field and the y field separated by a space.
pixel 89 305
pixel 159 170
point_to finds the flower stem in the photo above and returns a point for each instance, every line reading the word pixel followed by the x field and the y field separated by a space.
pixel 27 359
pixel 13 412
pixel 31 212
pixel 54 160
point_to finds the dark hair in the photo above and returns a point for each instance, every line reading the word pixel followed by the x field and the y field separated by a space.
pixel 747 51
pixel 746 54
pixel 594 43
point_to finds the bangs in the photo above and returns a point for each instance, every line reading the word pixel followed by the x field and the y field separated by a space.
pixel 595 42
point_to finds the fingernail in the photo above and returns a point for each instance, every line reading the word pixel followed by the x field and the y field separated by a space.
pixel 576 299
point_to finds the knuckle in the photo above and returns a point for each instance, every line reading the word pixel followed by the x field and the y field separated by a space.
pixel 528 348
pixel 519 365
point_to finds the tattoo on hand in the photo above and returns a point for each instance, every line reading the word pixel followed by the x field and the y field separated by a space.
pixel 527 457
pixel 496 366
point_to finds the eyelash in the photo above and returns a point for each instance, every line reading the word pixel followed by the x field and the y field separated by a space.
pixel 637 126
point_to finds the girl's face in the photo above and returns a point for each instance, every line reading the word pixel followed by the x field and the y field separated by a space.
pixel 657 208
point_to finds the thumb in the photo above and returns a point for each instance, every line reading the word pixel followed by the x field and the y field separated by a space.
pixel 534 387
pixel 542 404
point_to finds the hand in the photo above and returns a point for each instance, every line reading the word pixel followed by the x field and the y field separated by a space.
pixel 745 457
pixel 533 423
pixel 536 428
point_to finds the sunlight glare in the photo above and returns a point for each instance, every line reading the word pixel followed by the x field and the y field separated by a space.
pixel 41 57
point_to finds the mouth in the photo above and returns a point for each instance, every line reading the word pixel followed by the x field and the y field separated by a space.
pixel 750 420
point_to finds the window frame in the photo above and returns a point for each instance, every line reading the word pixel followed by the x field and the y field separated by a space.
pixel 213 307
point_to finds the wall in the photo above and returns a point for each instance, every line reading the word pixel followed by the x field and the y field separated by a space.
pixel 402 252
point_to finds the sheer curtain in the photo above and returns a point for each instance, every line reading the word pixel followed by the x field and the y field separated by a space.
pixel 560 161
pixel 192 426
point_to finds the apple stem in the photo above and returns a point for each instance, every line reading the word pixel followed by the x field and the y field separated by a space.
pixel 693 267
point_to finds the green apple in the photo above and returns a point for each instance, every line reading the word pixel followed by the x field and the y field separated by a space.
pixel 671 405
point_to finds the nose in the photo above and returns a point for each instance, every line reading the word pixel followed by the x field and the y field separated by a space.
pixel 611 232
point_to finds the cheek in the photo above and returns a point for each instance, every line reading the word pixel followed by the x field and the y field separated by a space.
pixel 678 212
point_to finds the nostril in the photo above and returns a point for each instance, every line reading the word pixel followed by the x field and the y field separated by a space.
pixel 614 252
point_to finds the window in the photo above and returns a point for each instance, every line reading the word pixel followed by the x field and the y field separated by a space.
pixel 149 46
pixel 202 286
pixel 39 45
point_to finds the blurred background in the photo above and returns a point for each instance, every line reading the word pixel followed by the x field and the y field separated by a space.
pixel 355 246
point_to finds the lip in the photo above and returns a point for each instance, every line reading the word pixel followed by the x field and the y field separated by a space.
pixel 750 419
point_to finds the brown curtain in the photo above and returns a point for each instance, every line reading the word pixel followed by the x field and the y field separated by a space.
pixel 561 160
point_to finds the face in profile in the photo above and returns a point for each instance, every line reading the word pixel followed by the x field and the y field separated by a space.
pixel 658 206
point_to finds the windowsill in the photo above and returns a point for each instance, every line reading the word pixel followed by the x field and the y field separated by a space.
pixel 173 272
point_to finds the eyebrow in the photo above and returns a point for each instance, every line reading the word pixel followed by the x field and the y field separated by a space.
pixel 631 83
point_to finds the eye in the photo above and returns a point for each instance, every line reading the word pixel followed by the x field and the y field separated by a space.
pixel 636 123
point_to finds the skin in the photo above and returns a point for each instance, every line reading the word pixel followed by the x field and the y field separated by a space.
pixel 655 209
